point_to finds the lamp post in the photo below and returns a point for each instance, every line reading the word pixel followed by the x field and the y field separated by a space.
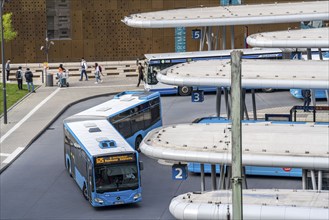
pixel 2 2
pixel 46 49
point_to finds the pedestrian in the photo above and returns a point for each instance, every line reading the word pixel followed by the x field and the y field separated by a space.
pixel 140 73
pixel 84 67
pixel 61 71
pixel 19 78
pixel 98 73
pixel 306 93
pixel 7 67
pixel 29 80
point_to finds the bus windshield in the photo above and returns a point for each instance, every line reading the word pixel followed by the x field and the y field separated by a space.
pixel 118 177
pixel 152 71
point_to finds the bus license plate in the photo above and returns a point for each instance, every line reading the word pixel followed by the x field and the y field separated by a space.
pixel 118 202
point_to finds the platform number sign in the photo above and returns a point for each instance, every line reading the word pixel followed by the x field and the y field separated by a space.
pixel 197 96
pixel 196 34
pixel 179 172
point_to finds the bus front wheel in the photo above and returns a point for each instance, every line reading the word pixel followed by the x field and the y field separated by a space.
pixel 184 90
pixel 138 141
pixel 69 168
pixel 85 191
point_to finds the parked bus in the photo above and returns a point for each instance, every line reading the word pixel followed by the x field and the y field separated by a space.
pixel 320 94
pixel 250 170
pixel 99 147
pixel 133 114
pixel 157 62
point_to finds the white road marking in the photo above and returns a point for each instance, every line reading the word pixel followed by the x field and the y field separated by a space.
pixel 28 115
pixel 13 155
pixel 4 155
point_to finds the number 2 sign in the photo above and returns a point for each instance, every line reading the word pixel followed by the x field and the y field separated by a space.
pixel 179 172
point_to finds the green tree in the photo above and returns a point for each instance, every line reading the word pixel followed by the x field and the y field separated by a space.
pixel 8 31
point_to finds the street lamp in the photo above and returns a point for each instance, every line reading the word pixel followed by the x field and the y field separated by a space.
pixel 2 2
pixel 46 49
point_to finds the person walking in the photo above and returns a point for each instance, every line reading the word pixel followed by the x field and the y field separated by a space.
pixel 84 67
pixel 140 73
pixel 7 67
pixel 306 93
pixel 19 78
pixel 29 80
pixel 98 72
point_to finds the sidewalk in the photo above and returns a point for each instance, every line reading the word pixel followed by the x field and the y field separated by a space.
pixel 30 117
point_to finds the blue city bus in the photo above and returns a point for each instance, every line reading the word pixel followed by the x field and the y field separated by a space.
pixel 157 62
pixel 132 113
pixel 100 143
pixel 319 94
pixel 250 170
pixel 101 162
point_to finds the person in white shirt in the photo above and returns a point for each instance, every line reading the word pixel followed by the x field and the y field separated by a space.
pixel 84 67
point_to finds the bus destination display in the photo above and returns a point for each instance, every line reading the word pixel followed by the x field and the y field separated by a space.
pixel 115 159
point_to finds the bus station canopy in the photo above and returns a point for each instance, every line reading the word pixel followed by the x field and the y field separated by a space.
pixel 305 38
pixel 231 15
pixel 257 204
pixel 276 74
pixel 263 144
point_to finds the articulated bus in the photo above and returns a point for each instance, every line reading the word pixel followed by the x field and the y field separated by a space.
pixel 99 147
pixel 250 170
pixel 157 62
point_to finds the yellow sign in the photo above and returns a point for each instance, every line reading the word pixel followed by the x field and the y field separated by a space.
pixel 45 65
pixel 115 159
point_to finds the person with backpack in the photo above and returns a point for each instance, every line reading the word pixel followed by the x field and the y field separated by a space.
pixel 98 73
pixel 84 67
pixel 29 80
pixel 19 78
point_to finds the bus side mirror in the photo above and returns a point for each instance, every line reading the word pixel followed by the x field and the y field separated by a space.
pixel 141 165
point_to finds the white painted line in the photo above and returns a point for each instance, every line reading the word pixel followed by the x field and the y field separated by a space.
pixel 13 155
pixel 28 115
pixel 4 155
pixel 105 86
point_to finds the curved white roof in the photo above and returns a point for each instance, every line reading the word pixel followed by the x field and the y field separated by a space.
pixel 279 74
pixel 231 15
pixel 263 144
pixel 305 38
pixel 257 204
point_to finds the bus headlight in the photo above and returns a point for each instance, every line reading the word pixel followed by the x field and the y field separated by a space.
pixel 98 200
pixel 138 195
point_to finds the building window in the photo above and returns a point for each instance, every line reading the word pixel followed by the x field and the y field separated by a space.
pixel 58 19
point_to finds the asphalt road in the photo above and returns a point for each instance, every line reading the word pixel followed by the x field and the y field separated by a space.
pixel 37 186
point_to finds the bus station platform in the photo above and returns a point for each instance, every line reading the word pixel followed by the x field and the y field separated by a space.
pixel 32 115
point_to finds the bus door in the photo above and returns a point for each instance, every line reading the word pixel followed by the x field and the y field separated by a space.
pixel 73 155
pixel 90 179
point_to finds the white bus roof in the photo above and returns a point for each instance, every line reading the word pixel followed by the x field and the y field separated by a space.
pixel 263 144
pixel 90 140
pixel 114 105
pixel 211 53
pixel 305 38
pixel 278 74
pixel 257 204
pixel 231 15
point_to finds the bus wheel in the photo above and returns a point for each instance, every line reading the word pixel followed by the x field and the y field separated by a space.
pixel 268 90
pixel 85 191
pixel 184 90
pixel 138 141
pixel 69 168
